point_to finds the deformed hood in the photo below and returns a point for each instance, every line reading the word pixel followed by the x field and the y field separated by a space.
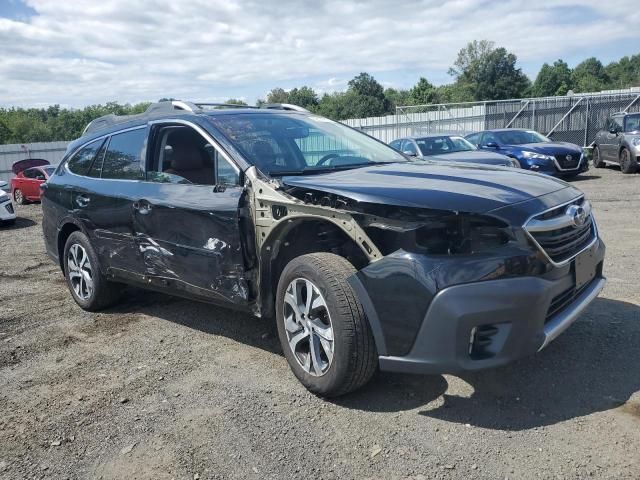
pixel 21 165
pixel 457 187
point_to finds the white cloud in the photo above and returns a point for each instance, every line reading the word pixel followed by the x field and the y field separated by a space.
pixel 78 52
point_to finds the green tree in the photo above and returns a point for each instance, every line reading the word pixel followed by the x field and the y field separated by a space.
pixel 490 73
pixel 590 76
pixel 624 73
pixel 423 93
pixel 278 95
pixel 304 97
pixel 397 98
pixel 235 101
pixel 553 80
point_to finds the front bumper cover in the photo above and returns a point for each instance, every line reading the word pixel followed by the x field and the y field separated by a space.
pixel 516 308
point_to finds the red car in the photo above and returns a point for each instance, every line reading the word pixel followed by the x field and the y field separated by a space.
pixel 30 174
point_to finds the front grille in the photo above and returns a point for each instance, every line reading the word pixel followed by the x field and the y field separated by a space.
pixel 565 162
pixel 9 207
pixel 565 242
pixel 556 234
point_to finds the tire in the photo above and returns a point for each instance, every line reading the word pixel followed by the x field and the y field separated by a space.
pixel 354 358
pixel 89 288
pixel 627 163
pixel 597 159
pixel 19 197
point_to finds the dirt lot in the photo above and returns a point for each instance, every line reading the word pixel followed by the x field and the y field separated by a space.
pixel 166 388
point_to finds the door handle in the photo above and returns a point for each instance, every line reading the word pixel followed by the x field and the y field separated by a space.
pixel 82 200
pixel 143 207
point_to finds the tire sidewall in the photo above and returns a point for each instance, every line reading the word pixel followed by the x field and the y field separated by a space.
pixel 597 160
pixel 297 268
pixel 82 240
pixel 628 165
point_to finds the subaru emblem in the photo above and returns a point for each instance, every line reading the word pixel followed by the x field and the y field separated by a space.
pixel 578 215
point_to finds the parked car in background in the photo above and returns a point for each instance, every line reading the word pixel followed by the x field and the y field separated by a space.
pixel 619 142
pixel 30 174
pixel 534 151
pixel 365 257
pixel 7 214
pixel 454 148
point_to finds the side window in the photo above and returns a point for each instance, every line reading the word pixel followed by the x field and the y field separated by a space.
pixel 123 158
pixel 81 162
pixel 39 174
pixel 489 137
pixel 29 173
pixel 474 138
pixel 395 144
pixel 617 123
pixel 182 155
pixel 408 146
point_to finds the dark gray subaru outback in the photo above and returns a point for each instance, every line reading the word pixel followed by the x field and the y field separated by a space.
pixel 366 258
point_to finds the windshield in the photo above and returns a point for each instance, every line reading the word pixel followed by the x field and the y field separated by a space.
pixel 632 123
pixel 285 144
pixel 520 137
pixel 444 144
pixel 49 170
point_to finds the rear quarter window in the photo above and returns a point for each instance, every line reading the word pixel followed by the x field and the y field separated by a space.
pixel 81 162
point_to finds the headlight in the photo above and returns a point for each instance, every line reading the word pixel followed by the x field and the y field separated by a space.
pixel 537 156
pixel 636 141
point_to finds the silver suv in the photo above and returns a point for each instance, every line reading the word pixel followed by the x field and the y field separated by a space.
pixel 619 142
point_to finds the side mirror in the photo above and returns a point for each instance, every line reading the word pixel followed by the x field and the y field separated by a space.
pixel 490 145
pixel 3 184
pixel 410 153
pixel 613 131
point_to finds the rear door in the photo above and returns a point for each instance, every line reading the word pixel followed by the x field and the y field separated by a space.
pixel 104 202
pixel 187 216
pixel 30 184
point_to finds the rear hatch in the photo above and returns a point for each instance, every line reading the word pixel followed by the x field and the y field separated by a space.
pixel 21 165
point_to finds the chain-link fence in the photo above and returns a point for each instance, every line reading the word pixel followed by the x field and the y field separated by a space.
pixel 573 118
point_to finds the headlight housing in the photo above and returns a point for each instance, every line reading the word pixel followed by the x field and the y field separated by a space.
pixel 636 141
pixel 538 156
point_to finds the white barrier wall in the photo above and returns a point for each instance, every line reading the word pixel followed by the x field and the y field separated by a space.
pixel 52 151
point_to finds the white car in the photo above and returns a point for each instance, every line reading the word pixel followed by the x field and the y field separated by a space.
pixel 7 214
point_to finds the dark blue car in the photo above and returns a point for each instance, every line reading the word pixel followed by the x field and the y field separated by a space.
pixel 533 151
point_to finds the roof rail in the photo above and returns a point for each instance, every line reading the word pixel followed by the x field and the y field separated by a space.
pixel 284 106
pixel 180 106
pixel 226 105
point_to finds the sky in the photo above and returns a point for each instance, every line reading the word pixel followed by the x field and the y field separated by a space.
pixel 80 52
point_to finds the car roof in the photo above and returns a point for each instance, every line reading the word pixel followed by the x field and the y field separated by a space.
pixel 432 135
pixel 109 124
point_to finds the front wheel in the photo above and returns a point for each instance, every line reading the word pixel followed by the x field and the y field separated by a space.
pixel 627 163
pixel 597 158
pixel 322 327
pixel 89 288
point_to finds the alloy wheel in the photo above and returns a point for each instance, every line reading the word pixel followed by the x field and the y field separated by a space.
pixel 308 326
pixel 17 195
pixel 80 271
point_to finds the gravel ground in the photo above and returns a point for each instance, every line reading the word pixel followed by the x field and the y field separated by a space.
pixel 167 388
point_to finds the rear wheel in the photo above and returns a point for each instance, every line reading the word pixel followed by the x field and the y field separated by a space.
pixel 89 288
pixel 324 333
pixel 19 197
pixel 597 159
pixel 628 164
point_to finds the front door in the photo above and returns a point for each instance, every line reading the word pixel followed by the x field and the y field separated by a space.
pixel 187 216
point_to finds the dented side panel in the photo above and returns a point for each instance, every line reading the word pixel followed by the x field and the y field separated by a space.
pixel 188 236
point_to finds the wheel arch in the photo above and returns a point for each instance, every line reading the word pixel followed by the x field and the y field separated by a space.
pixel 66 228
pixel 298 236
